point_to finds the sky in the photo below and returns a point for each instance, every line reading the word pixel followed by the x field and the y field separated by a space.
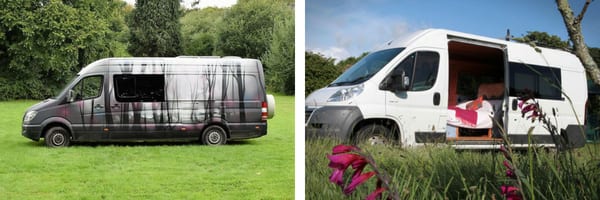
pixel 202 4
pixel 344 28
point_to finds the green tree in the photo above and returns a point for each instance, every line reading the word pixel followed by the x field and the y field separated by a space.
pixel 319 72
pixel 155 29
pixel 343 65
pixel 280 56
pixel 543 39
pixel 247 27
pixel 573 25
pixel 43 43
pixel 199 30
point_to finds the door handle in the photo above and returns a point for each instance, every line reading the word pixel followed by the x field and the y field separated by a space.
pixel 115 106
pixel 436 99
pixel 98 106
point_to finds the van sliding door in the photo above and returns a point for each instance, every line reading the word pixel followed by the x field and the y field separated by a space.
pixel 477 70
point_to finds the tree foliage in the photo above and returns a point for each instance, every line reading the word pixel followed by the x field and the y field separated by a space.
pixel 343 65
pixel 247 27
pixel 261 29
pixel 280 56
pixel 543 39
pixel 199 30
pixel 155 29
pixel 573 25
pixel 44 42
pixel 319 71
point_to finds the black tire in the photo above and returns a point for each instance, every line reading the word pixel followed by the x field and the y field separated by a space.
pixel 213 135
pixel 373 134
pixel 57 137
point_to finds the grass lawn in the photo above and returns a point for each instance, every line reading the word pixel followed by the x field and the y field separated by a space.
pixel 261 168
pixel 437 172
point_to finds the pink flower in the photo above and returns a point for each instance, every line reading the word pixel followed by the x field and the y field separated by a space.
pixel 340 162
pixel 342 157
pixel 505 152
pixel 376 194
pixel 337 177
pixel 513 197
pixel 510 192
pixel 521 104
pixel 505 189
pixel 530 108
pixel 357 181
pixel 507 164
pixel 344 149
pixel 510 173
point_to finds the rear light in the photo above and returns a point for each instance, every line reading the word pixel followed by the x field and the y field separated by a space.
pixel 264 114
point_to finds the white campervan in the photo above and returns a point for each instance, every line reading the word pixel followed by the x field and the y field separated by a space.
pixel 417 90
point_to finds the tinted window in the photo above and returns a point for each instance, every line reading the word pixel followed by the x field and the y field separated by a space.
pixel 139 88
pixel 366 67
pixel 88 88
pixel 426 69
pixel 542 82
pixel 421 69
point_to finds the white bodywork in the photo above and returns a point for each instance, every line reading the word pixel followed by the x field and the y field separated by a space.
pixel 413 111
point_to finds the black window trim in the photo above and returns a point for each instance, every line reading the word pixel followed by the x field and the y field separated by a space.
pixel 100 90
pixel 136 98
pixel 539 75
pixel 414 63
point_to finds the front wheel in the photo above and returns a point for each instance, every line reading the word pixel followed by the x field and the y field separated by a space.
pixel 373 134
pixel 57 137
pixel 214 135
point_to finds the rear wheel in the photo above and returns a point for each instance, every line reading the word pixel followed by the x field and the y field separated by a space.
pixel 57 137
pixel 373 134
pixel 214 135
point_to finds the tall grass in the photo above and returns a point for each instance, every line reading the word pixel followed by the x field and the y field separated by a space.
pixel 440 172
pixel 261 168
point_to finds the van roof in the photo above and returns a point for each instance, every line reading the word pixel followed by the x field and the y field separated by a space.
pixel 103 65
pixel 516 52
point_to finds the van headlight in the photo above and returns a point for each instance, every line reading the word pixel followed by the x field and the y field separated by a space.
pixel 346 93
pixel 29 116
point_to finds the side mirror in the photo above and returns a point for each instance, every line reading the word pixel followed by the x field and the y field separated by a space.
pixel 396 82
pixel 405 82
pixel 71 96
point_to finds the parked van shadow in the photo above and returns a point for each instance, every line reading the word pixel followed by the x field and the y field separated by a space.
pixel 141 143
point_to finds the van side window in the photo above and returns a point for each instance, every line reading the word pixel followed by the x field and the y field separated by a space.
pixel 88 88
pixel 140 88
pixel 542 82
pixel 421 68
pixel 426 69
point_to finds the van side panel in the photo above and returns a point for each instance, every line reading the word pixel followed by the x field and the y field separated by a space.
pixel 194 95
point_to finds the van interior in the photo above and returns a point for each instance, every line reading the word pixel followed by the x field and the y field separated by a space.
pixel 476 91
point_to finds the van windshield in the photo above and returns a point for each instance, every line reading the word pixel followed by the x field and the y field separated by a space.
pixel 366 67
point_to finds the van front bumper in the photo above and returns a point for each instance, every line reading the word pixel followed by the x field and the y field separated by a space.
pixel 332 121
pixel 32 132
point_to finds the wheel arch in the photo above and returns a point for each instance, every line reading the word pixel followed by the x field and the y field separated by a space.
pixel 56 121
pixel 221 123
pixel 388 123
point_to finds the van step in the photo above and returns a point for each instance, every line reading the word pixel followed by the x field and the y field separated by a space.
pixel 475 142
